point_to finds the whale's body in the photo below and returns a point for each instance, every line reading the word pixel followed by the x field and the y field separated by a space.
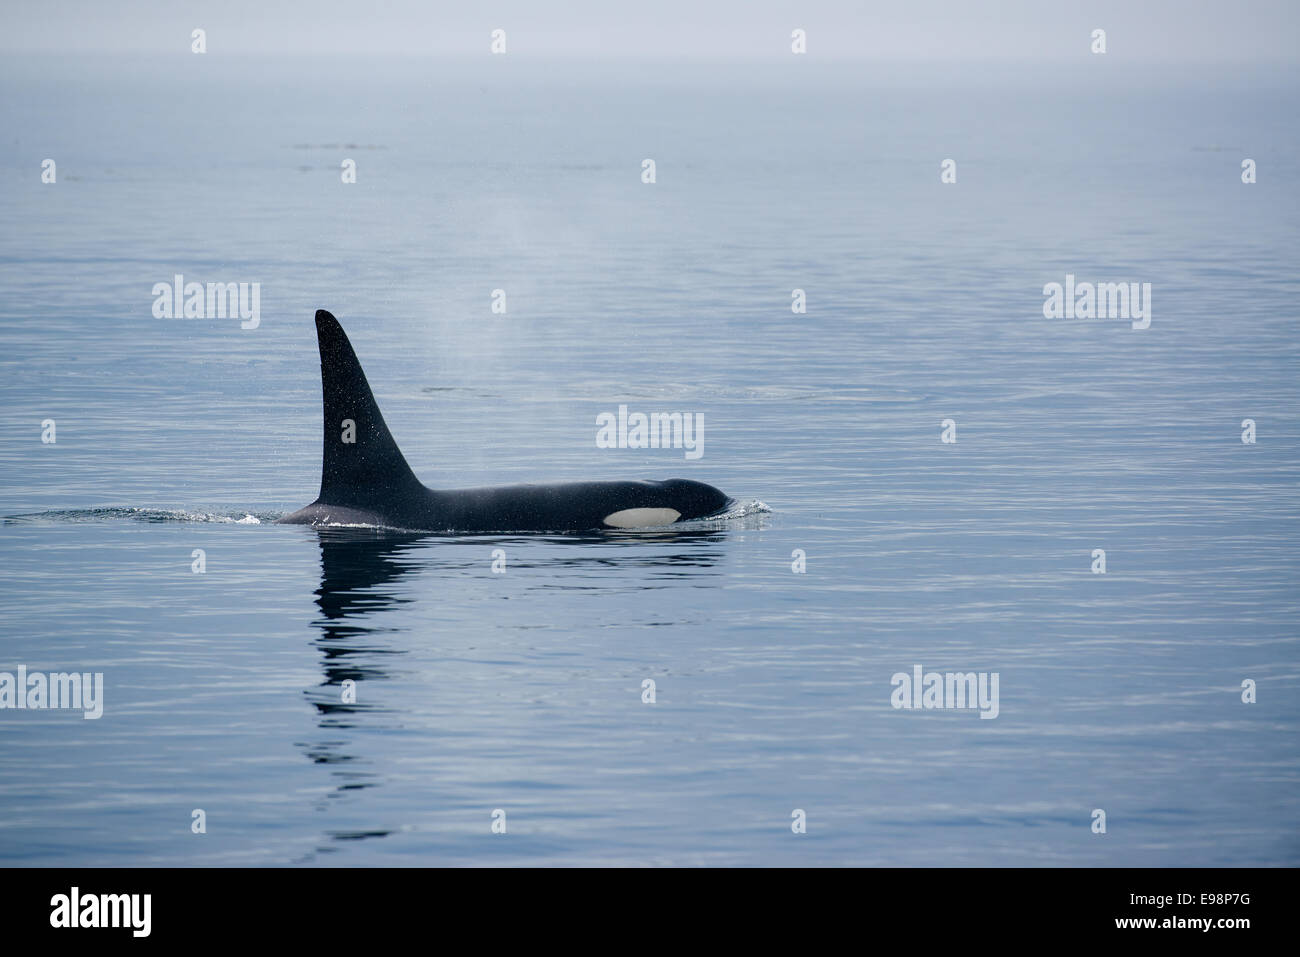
pixel 366 481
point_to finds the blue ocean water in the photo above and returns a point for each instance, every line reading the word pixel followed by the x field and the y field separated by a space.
pixel 523 691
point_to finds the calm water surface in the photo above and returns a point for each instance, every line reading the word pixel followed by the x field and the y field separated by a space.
pixel 523 691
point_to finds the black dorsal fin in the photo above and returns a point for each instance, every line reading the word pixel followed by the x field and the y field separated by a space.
pixel 370 471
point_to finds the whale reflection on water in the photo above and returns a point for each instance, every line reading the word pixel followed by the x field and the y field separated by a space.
pixel 361 584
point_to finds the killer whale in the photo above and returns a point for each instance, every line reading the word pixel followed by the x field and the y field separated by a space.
pixel 366 481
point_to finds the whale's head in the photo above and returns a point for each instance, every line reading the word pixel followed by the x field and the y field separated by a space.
pixel 694 499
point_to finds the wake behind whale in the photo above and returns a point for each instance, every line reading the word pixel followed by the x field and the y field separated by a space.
pixel 365 479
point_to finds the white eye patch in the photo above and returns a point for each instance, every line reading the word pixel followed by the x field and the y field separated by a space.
pixel 642 517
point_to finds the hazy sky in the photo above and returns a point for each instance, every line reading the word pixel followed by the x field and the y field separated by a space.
pixel 720 29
